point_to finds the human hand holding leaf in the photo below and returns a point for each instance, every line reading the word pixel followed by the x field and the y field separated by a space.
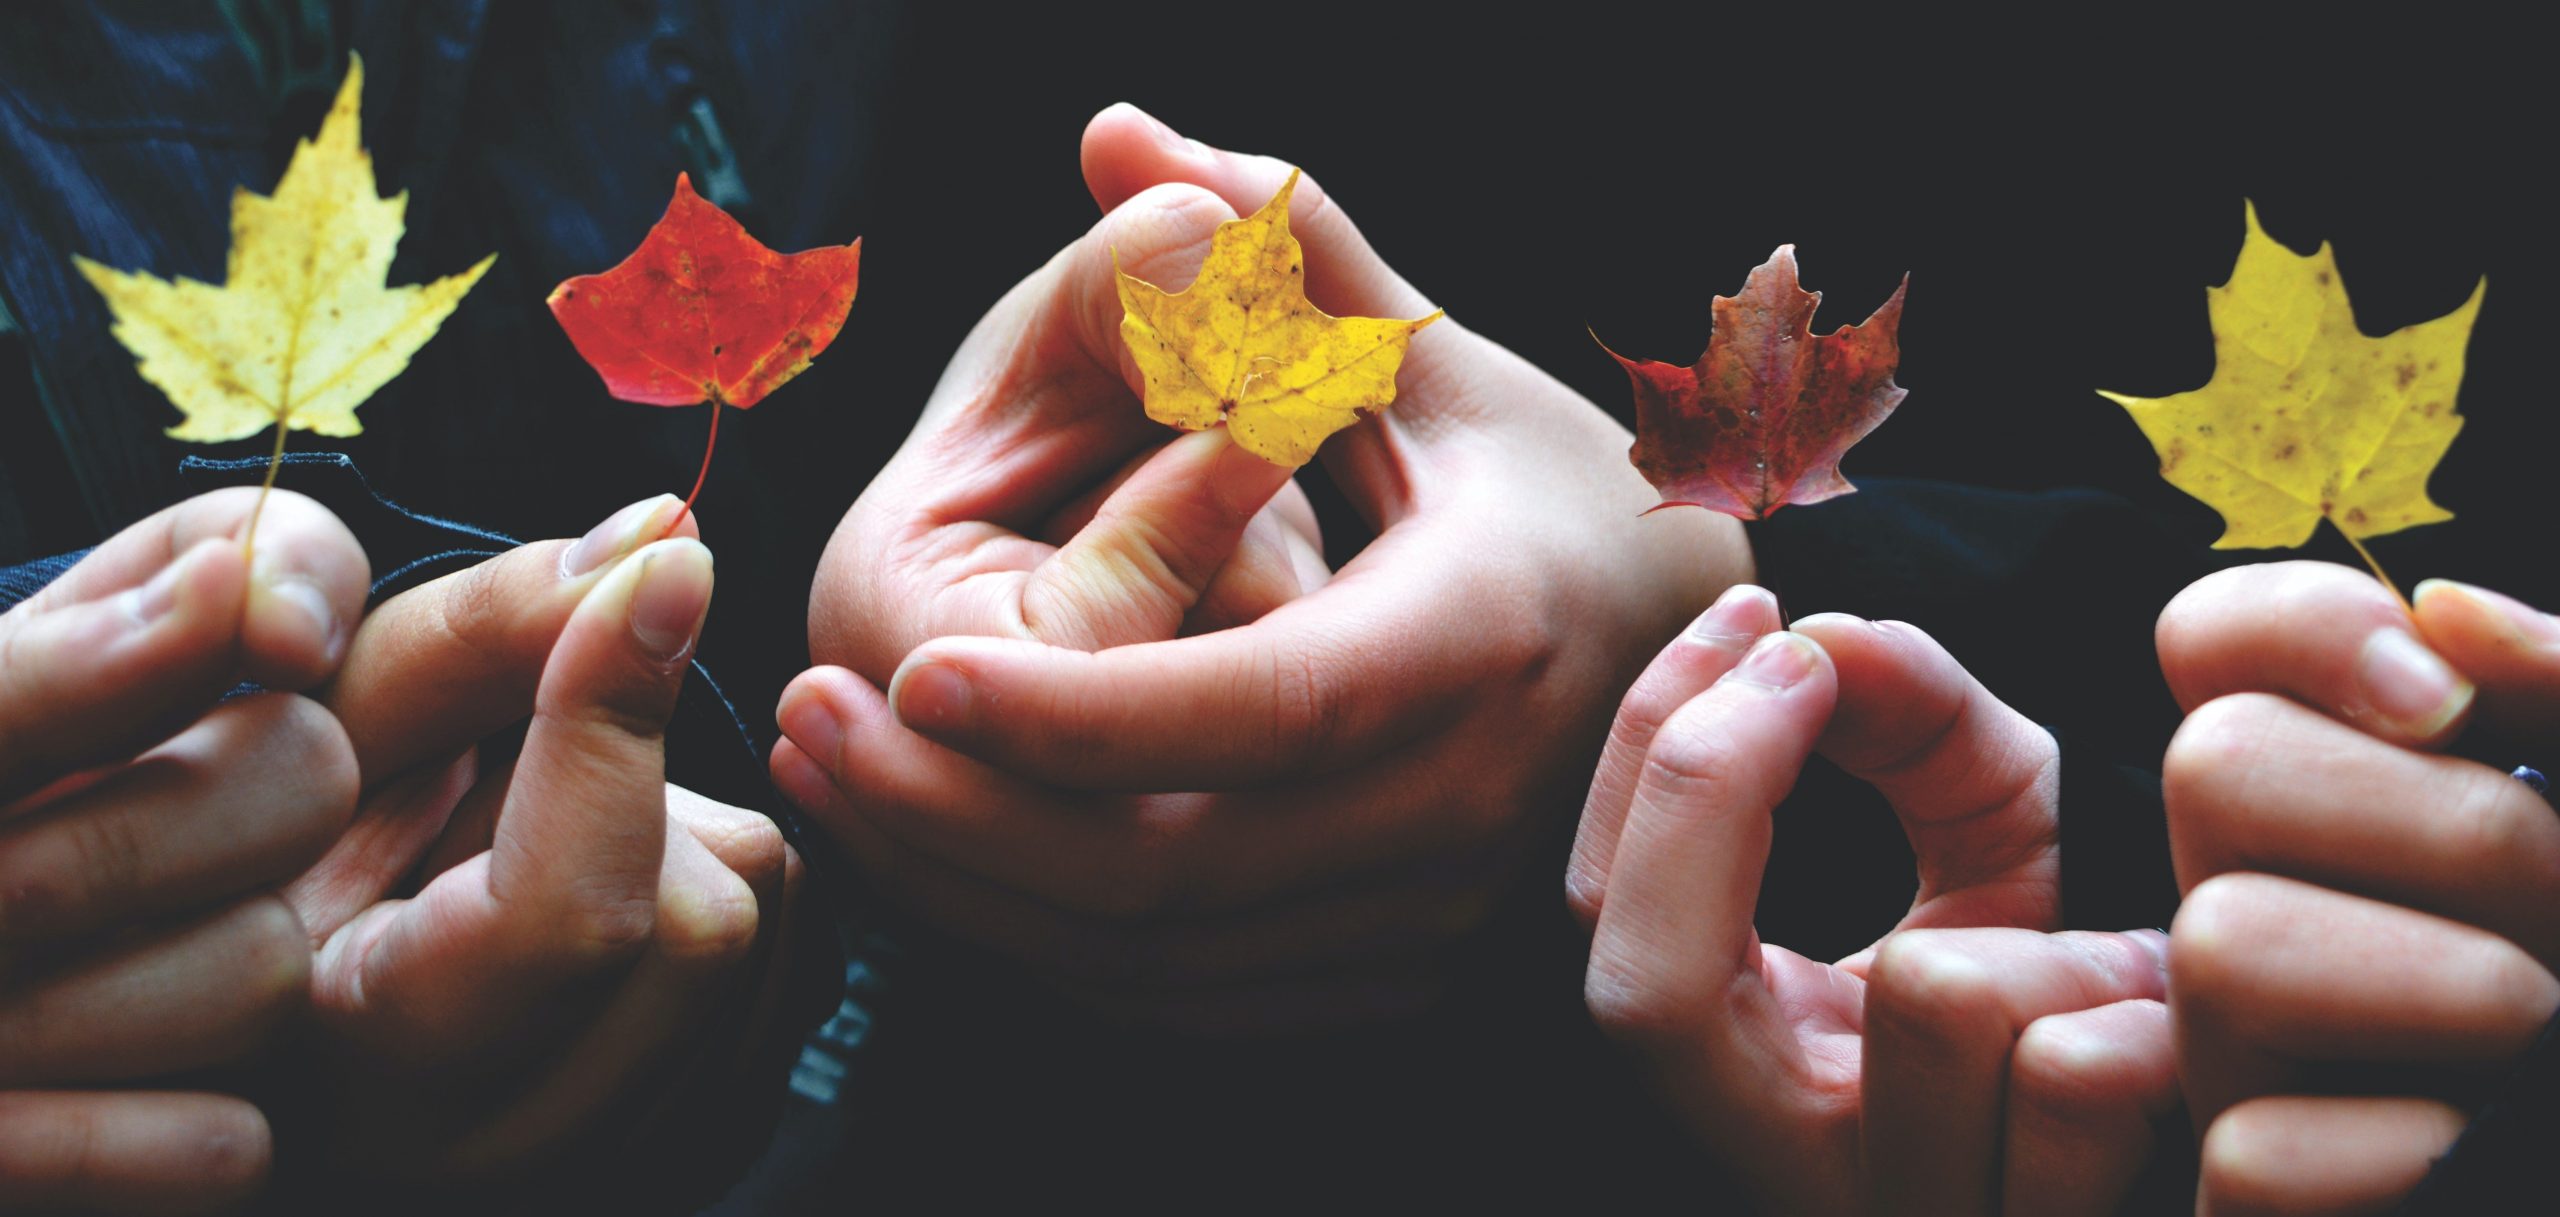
pixel 1242 345
pixel 701 311
pixel 304 327
pixel 2306 418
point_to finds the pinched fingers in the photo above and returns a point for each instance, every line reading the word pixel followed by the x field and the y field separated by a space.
pixel 2257 783
pixel 2508 648
pixel 2272 978
pixel 1975 784
pixel 307 577
pixel 2323 635
pixel 1707 650
pixel 130 1152
pixel 568 890
pixel 439 667
pixel 1946 1014
pixel 246 797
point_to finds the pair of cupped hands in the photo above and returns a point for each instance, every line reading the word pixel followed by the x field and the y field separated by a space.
pixel 1097 703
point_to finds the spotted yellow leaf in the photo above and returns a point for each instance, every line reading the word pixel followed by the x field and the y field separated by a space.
pixel 1242 345
pixel 303 328
pixel 2306 418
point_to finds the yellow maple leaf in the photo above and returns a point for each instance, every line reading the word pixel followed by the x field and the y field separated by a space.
pixel 1243 345
pixel 2306 418
pixel 303 329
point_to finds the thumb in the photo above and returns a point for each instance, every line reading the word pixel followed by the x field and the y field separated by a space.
pixel 1975 783
pixel 1135 571
pixel 2508 649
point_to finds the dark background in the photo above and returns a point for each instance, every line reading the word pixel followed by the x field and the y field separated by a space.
pixel 2060 196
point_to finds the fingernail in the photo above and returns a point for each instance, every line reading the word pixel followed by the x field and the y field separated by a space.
pixel 1727 624
pixel 674 593
pixel 2156 942
pixel 621 533
pixel 2404 682
pixel 811 723
pixel 1777 661
pixel 2523 622
pixel 931 698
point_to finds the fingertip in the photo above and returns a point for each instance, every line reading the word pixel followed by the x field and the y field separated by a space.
pixel 801 779
pixel 1120 144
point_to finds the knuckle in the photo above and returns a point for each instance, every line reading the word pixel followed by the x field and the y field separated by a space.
pixel 714 924
pixel 1684 764
pixel 1312 710
pixel 2214 751
pixel 610 927
pixel 2061 1072
pixel 1632 1012
pixel 2480 825
pixel 1924 980
pixel 2208 941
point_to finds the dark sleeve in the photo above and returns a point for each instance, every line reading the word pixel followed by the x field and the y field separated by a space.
pixel 24 580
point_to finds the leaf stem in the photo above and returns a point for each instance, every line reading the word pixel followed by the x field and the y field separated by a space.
pixel 2367 555
pixel 275 461
pixel 718 408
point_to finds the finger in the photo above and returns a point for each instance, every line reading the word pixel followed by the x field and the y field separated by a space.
pixel 1139 568
pixel 307 578
pixel 1120 858
pixel 2323 635
pixel 567 892
pixel 1685 668
pixel 703 941
pixel 2257 783
pixel 2271 975
pixel 1975 783
pixel 1241 708
pixel 2507 648
pixel 1279 558
pixel 2289 1155
pixel 392 832
pixel 97 681
pixel 1274 563
pixel 1674 938
pixel 205 994
pixel 1127 151
pixel 2087 1089
pixel 130 1153
pixel 1139 959
pixel 437 668
pixel 248 796
pixel 1945 1010
pixel 1038 406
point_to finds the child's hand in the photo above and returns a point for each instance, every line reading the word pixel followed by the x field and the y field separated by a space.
pixel 1289 821
pixel 2370 931
pixel 143 824
pixel 588 939
pixel 1969 1062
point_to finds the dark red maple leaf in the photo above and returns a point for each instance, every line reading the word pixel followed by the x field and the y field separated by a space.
pixel 701 311
pixel 1765 415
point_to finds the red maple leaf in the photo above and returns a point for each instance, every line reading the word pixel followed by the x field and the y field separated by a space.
pixel 704 312
pixel 1764 417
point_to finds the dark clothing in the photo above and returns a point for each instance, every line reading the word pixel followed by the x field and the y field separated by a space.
pixel 552 134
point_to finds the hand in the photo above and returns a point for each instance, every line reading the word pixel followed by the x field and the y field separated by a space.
pixel 143 822
pixel 587 938
pixel 1288 822
pixel 2369 932
pixel 1969 1062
